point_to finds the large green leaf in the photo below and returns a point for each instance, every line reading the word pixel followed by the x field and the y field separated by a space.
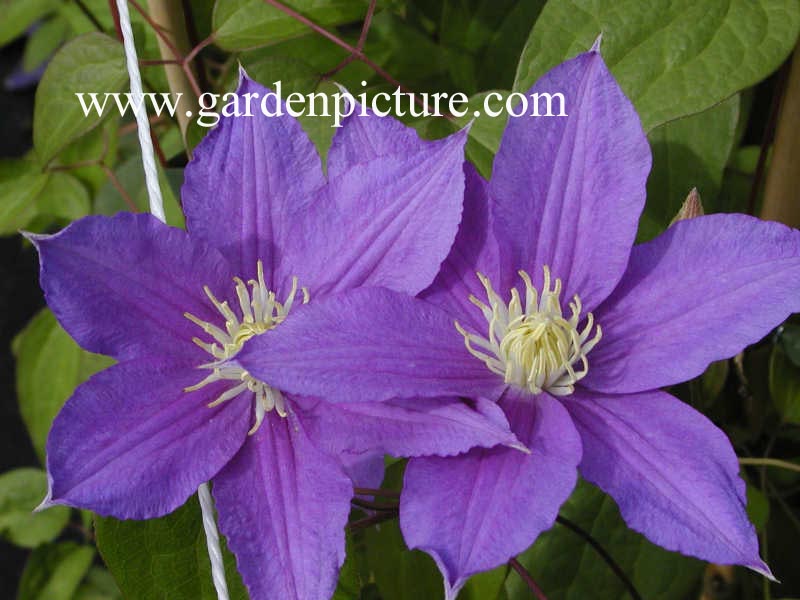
pixel 54 571
pixel 18 15
pixel 49 367
pixel 90 63
pixel 163 558
pixel 690 152
pixel 21 490
pixel 18 200
pixel 241 24
pixel 29 196
pixel 566 567
pixel 672 57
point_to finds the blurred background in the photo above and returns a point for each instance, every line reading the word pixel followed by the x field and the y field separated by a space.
pixel 719 96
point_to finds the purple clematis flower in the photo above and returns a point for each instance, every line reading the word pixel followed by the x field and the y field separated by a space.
pixel 545 306
pixel 267 231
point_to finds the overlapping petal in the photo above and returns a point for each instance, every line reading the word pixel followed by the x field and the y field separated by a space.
pixel 132 444
pixel 369 344
pixel 411 427
pixel 363 138
pixel 474 250
pixel 568 191
pixel 247 179
pixel 120 285
pixel 476 511
pixel 673 474
pixel 389 221
pixel 283 505
pixel 700 292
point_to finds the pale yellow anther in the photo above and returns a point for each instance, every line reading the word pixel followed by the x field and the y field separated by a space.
pixel 534 346
pixel 260 312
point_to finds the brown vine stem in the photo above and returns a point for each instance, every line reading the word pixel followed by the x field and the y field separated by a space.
pixel 527 578
pixel 376 492
pixel 353 50
pixel 167 19
pixel 362 40
pixel 371 520
pixel 783 177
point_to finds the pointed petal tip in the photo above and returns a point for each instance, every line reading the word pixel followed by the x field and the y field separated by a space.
pixel 243 76
pixel 762 568
pixel 33 238
pixel 596 45
pixel 46 503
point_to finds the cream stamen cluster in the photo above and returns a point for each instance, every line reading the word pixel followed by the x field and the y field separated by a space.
pixel 260 311
pixel 534 346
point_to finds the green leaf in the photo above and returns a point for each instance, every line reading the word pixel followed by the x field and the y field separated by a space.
pixel 566 567
pixel 49 367
pixel 164 558
pixel 672 58
pixel 54 571
pixel 22 490
pixel 43 42
pixel 690 152
pixel 18 200
pixel 98 585
pixel 784 385
pixel 489 585
pixel 297 76
pixel 485 131
pixel 398 572
pixel 29 196
pixel 757 507
pixel 130 175
pixel 18 15
pixel 242 24
pixel 90 63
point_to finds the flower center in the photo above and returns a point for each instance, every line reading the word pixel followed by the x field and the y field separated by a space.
pixel 259 312
pixel 533 347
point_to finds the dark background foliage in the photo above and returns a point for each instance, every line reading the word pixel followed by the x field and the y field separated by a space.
pixel 711 81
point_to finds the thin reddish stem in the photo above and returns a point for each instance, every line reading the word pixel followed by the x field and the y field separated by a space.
pixel 116 183
pixel 526 577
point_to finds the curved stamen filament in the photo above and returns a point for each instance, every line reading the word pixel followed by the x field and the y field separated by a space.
pixel 260 312
pixel 532 345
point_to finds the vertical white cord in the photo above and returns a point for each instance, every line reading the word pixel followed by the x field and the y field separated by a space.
pixel 212 542
pixel 157 208
pixel 140 110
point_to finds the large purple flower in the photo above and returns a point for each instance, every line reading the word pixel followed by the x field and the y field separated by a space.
pixel 267 231
pixel 544 306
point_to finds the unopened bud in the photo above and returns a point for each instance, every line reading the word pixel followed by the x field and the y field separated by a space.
pixel 692 207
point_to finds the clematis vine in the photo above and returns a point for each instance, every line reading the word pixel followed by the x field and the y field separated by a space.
pixel 266 233
pixel 545 306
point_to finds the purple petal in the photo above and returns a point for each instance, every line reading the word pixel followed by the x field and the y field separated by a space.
pixel 365 138
pixel 474 512
pixel 673 474
pixel 246 180
pixel 368 345
pixel 364 470
pixel 120 285
pixel 386 222
pixel 475 250
pixel 283 506
pixel 568 191
pixel 132 444
pixel 700 292
pixel 412 427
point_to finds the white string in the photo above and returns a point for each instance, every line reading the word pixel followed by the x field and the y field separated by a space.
pixel 157 208
pixel 212 542
pixel 140 111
